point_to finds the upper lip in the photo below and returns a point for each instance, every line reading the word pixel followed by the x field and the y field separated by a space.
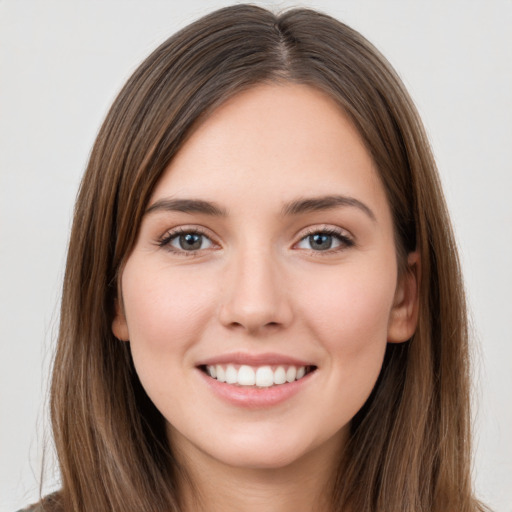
pixel 254 360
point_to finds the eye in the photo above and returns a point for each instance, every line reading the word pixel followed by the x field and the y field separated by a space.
pixel 325 240
pixel 186 241
pixel 190 242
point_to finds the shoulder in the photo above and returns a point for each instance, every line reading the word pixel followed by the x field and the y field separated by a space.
pixel 50 503
pixel 37 507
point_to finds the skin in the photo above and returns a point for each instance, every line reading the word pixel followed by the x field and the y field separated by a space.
pixel 258 285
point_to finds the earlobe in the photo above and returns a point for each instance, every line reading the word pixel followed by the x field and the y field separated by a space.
pixel 404 314
pixel 119 325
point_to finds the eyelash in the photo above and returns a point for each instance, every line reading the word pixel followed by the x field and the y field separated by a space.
pixel 344 240
pixel 165 241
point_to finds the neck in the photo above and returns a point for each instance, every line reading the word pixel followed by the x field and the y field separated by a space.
pixel 211 486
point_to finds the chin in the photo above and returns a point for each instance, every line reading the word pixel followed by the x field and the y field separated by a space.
pixel 271 450
pixel 270 458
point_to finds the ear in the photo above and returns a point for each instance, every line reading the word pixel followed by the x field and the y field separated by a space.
pixel 404 314
pixel 119 324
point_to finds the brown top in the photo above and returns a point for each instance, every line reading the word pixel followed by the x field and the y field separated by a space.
pixel 50 501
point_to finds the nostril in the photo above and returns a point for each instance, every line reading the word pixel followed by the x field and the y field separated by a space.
pixel 255 326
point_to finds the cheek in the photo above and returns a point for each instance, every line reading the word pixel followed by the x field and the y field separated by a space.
pixel 166 314
pixel 165 311
pixel 349 315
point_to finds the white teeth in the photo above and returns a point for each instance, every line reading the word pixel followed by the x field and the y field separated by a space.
pixel 261 376
pixel 279 375
pixel 264 377
pixel 231 374
pixel 221 374
pixel 291 373
pixel 246 376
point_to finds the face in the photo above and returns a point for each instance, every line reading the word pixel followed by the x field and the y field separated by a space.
pixel 263 285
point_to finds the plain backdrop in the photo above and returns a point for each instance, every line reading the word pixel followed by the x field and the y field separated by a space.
pixel 62 63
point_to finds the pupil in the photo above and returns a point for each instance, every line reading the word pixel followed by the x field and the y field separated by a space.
pixel 320 241
pixel 190 241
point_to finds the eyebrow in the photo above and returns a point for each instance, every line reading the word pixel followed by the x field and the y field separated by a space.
pixel 325 203
pixel 187 206
pixel 297 207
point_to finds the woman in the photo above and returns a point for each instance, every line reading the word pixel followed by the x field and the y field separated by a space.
pixel 262 304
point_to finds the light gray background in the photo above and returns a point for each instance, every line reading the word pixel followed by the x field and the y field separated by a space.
pixel 61 64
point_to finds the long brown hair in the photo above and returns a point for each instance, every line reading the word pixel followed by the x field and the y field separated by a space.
pixel 409 448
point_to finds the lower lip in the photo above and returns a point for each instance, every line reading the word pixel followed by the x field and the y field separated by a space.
pixel 254 397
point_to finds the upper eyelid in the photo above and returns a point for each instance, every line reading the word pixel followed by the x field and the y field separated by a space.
pixel 322 228
pixel 201 230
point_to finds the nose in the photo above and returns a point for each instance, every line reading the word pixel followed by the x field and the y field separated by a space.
pixel 254 294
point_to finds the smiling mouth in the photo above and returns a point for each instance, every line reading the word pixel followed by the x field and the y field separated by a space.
pixel 256 376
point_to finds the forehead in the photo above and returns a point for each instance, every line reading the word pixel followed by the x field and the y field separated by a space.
pixel 276 141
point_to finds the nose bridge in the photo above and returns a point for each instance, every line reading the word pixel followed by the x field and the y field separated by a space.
pixel 254 295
